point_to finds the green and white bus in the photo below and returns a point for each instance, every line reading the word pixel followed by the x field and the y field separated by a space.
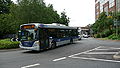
pixel 35 36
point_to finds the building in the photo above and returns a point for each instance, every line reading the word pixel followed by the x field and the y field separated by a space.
pixel 106 6
pixel 84 30
pixel 118 5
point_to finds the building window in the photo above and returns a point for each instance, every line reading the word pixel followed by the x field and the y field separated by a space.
pixel 118 5
pixel 97 7
pixel 111 3
pixel 106 10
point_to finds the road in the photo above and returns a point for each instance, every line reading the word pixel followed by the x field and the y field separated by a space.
pixel 86 53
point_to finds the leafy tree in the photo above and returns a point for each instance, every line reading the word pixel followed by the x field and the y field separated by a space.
pixel 6 25
pixel 64 19
pixel 5 6
pixel 35 11
pixel 104 22
pixel 26 11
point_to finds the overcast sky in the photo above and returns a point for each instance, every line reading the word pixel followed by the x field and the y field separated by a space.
pixel 81 12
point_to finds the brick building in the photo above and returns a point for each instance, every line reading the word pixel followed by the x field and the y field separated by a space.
pixel 106 6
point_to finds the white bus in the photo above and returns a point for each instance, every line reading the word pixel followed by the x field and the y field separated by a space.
pixel 35 36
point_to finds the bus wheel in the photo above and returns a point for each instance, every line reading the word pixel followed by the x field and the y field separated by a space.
pixel 53 45
pixel 71 41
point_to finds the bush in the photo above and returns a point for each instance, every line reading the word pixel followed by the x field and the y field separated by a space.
pixel 118 37
pixel 7 44
pixel 106 33
pixel 97 35
pixel 114 30
pixel 114 37
pixel 109 37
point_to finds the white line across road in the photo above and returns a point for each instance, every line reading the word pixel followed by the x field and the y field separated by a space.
pixel 107 53
pixel 60 59
pixel 28 66
pixel 97 59
pixel 108 48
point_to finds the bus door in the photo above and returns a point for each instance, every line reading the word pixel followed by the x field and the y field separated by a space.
pixel 44 40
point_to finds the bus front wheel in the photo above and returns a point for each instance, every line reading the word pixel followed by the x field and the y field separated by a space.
pixel 53 45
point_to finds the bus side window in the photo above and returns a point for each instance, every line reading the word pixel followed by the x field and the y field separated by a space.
pixel 62 32
pixel 66 33
pixel 52 33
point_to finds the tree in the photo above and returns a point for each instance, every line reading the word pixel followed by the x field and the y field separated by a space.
pixel 103 24
pixel 6 23
pixel 5 6
pixel 26 11
pixel 64 19
pixel 36 11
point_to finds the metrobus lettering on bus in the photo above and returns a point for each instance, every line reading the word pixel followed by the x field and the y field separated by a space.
pixel 35 36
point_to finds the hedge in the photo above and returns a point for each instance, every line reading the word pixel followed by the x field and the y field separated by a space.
pixel 114 37
pixel 7 44
pixel 97 35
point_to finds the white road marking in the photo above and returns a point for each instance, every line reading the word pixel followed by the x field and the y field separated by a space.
pixel 110 49
pixel 33 65
pixel 89 52
pixel 98 48
pixel 84 52
pixel 97 59
pixel 107 47
pixel 102 53
pixel 60 59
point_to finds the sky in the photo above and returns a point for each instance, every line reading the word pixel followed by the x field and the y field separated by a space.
pixel 80 12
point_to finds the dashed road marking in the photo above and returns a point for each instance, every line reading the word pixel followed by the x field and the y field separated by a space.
pixel 60 59
pixel 28 66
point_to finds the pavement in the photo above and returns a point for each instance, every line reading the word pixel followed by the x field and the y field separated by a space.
pixel 7 50
pixel 107 39
pixel 117 56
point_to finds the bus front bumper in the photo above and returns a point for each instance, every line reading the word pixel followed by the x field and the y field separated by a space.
pixel 36 48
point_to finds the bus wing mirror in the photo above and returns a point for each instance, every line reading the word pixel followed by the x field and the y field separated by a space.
pixel 15 39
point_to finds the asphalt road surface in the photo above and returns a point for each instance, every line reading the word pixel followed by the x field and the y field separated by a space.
pixel 86 53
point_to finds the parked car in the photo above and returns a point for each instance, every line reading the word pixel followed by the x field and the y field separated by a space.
pixel 85 36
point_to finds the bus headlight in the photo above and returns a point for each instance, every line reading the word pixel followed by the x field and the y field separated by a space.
pixel 36 43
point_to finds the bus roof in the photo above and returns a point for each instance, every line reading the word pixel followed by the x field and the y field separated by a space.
pixel 39 25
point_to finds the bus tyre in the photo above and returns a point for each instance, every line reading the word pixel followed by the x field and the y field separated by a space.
pixel 53 45
pixel 71 41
